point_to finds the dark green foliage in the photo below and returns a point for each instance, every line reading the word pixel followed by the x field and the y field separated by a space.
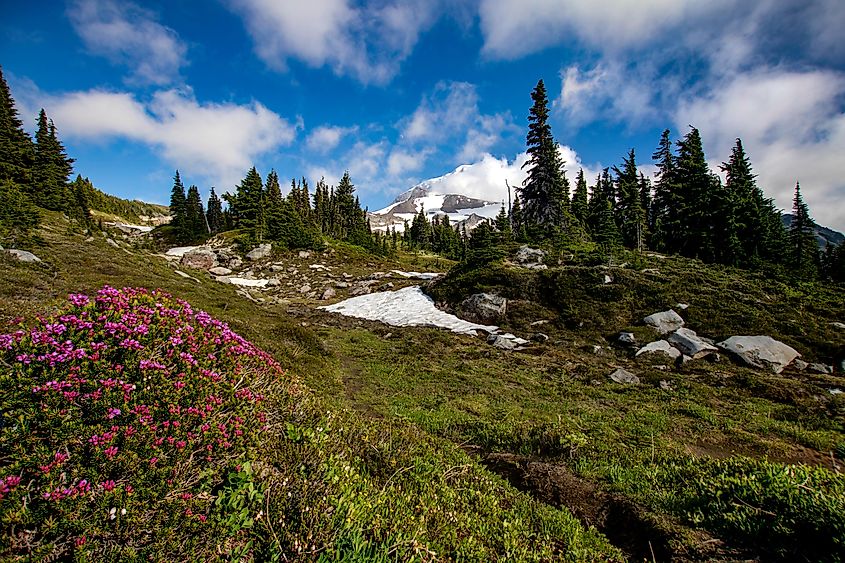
pixel 804 252
pixel 483 246
pixel 246 205
pixel 545 191
pixel 17 152
pixel 79 205
pixel 694 201
pixel 178 208
pixel 195 223
pixel 579 199
pixel 606 233
pixel 630 216
pixel 833 262
pixel 601 197
pixel 133 210
pixel 665 224
pixel 214 213
pixel 52 167
pixel 284 216
pixel 18 215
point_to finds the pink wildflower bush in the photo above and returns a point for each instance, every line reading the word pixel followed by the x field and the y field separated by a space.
pixel 122 408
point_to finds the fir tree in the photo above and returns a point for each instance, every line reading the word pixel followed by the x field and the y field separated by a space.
pixel 195 225
pixel 605 232
pixel 17 152
pixel 646 204
pixel 545 191
pixel 79 207
pixel 351 220
pixel 579 199
pixel 247 204
pixel 214 213
pixel 178 208
pixel 802 240
pixel 52 167
pixel 694 200
pixel 665 224
pixel 629 212
pixel 503 223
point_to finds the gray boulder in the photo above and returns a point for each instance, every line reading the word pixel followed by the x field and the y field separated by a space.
pixel 665 322
pixel 528 257
pixel 820 368
pixel 305 288
pixel 220 271
pixel 329 293
pixel 624 376
pixel 199 259
pixel 359 290
pixel 23 255
pixel 688 342
pixel 660 347
pixel 484 308
pixel 501 342
pixel 762 352
pixel 260 251
pixel 627 338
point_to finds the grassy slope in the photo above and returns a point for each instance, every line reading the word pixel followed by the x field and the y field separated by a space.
pixel 339 486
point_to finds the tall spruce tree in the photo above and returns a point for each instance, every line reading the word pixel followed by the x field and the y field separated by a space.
pixel 695 189
pixel 579 199
pixel 545 190
pixel 630 217
pixel 247 204
pixel 178 208
pixel 195 225
pixel 52 167
pixel 665 224
pixel 214 213
pixel 18 215
pixel 352 222
pixel 17 153
pixel 802 240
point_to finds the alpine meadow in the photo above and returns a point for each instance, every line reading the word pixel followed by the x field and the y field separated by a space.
pixel 359 280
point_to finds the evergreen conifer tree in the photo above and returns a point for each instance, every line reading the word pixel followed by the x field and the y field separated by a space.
pixel 178 208
pixel 694 200
pixel 79 207
pixel 18 215
pixel 665 224
pixel 545 191
pixel 17 152
pixel 802 240
pixel 247 204
pixel 52 167
pixel 195 225
pixel 579 199
pixel 629 212
pixel 214 213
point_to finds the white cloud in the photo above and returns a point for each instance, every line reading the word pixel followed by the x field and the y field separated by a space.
pixel 366 41
pixel 792 127
pixel 400 161
pixel 326 138
pixel 218 142
pixel 127 34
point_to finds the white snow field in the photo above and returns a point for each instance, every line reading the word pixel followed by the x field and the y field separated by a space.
pixel 244 282
pixel 180 251
pixel 408 306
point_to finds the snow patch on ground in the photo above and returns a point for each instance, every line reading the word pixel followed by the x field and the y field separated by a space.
pixel 408 306
pixel 417 275
pixel 179 251
pixel 244 282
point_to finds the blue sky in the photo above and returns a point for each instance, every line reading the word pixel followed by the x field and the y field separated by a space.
pixel 398 91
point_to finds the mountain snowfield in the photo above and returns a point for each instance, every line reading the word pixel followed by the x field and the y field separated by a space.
pixel 467 195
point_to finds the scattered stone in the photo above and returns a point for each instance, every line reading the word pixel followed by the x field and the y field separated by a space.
pixel 319 267
pixel 820 368
pixel 245 282
pixel 688 342
pixel 627 338
pixel 761 351
pixel 89 239
pixel 538 323
pixel 685 359
pixel 199 259
pixel 329 293
pixel 359 290
pixel 540 337
pixel 840 326
pixel 235 263
pixel 346 276
pixel 220 271
pixel 835 391
pixel 800 364
pixel 518 340
pixel 607 279
pixel 111 242
pixel 531 258
pixel 622 375
pixel 305 288
pixel 273 282
pixel 23 255
pixel 682 306
pixel 304 254
pixel 484 308
pixel 660 346
pixel 260 251
pixel 387 336
pixel 598 350
pixel 501 342
pixel 665 322
pixel 187 276
pixel 276 268
pixel 666 385
pixel 386 286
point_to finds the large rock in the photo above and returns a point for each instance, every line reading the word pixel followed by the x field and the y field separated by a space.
pixel 220 271
pixel 329 293
pixel 624 376
pixel 23 255
pixel 501 342
pixel 688 342
pixel 761 351
pixel 260 251
pixel 665 322
pixel 660 347
pixel 528 257
pixel 199 259
pixel 484 308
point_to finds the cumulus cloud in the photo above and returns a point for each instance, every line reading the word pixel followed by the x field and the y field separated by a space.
pixel 127 34
pixel 367 41
pixel 401 161
pixel 215 141
pixel 326 138
pixel 792 127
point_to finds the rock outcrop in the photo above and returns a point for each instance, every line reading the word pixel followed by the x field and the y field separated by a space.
pixel 23 255
pixel 199 259
pixel 660 347
pixel 624 376
pixel 260 251
pixel 690 344
pixel 484 308
pixel 760 351
pixel 665 322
